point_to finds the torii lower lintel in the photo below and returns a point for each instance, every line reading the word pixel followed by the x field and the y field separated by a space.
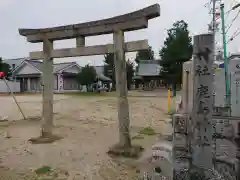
pixel 90 50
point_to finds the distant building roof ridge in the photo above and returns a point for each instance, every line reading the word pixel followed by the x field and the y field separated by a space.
pixel 149 61
pixel 15 58
pixel 234 55
pixel 73 62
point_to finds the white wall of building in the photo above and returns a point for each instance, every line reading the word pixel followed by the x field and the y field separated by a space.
pixel 15 86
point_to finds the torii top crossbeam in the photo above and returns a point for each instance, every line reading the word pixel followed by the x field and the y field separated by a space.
pixel 127 22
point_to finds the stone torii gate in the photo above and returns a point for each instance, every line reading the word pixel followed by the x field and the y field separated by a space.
pixel 116 25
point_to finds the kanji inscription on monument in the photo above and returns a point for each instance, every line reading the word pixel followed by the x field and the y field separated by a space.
pixel 202 101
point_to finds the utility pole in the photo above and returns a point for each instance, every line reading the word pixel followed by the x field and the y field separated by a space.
pixel 227 88
pixel 214 27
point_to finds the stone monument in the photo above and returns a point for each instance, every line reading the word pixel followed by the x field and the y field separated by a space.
pixel 223 135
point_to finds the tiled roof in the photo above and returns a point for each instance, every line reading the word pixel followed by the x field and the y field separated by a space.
pixel 13 63
pixel 16 59
pixel 60 66
pixel 100 73
pixel 99 69
pixel 37 64
pixel 149 61
pixel 56 67
pixel 233 56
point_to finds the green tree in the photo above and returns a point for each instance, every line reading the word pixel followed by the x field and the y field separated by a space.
pixel 177 49
pixel 109 69
pixel 130 73
pixel 147 54
pixel 87 76
pixel 4 67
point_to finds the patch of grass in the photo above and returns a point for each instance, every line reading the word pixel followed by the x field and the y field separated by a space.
pixel 172 112
pixel 148 131
pixel 43 170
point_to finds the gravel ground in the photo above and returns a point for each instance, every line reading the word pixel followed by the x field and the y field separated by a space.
pixel 89 127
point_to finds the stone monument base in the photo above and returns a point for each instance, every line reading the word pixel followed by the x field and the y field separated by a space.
pixel 133 152
pixel 45 139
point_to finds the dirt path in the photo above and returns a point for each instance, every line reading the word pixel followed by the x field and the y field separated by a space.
pixel 89 127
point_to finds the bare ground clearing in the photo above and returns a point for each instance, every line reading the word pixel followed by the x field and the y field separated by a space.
pixel 89 127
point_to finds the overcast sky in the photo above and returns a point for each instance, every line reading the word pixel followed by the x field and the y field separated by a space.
pixel 16 14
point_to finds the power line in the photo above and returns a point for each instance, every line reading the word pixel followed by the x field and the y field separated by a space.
pixel 227 13
pixel 235 34
pixel 232 5
pixel 238 13
pixel 230 10
pixel 236 6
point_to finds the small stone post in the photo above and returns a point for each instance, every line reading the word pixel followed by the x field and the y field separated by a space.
pixel 237 142
pixel 48 79
pixel 181 156
pixel 121 85
pixel 80 42
pixel 202 101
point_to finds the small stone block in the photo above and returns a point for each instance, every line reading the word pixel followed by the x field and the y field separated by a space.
pixel 180 153
pixel 180 124
pixel 180 140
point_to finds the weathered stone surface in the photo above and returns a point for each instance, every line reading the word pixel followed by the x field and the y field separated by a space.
pixel 180 141
pixel 7 135
pixel 130 152
pixel 180 153
pixel 3 119
pixel 157 158
pixel 187 87
pixel 203 100
pixel 90 31
pixel 45 140
pixel 180 123
pixel 181 164
pixel 128 22
pixel 91 50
